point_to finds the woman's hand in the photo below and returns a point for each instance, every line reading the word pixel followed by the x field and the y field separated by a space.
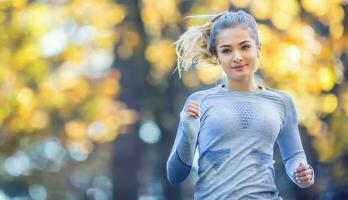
pixel 192 109
pixel 188 117
pixel 304 174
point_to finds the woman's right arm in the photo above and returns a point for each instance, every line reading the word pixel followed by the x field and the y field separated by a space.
pixel 181 157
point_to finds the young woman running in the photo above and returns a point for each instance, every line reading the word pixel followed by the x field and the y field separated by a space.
pixel 234 125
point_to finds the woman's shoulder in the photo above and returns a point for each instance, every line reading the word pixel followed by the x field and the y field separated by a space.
pixel 203 93
pixel 277 91
pixel 282 95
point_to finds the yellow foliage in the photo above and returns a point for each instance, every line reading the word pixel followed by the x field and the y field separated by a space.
pixel 281 19
pixel 323 144
pixel 329 103
pixel 161 54
pixel 156 14
pixel 317 7
pixel 261 9
pixel 345 101
pixel 40 120
pixel 18 4
pixel 326 78
pixel 75 129
pixel 131 39
pixel 190 79
pixel 35 85
pixel 290 7
pixel 240 3
pixel 209 74
pixel 219 5
pixel 336 30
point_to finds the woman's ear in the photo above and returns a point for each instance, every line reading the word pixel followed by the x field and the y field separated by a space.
pixel 258 50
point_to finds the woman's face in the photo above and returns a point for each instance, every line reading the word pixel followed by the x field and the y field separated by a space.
pixel 237 53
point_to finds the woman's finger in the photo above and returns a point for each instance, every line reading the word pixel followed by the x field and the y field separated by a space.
pixel 196 113
pixel 305 178
pixel 193 106
pixel 193 109
pixel 192 114
pixel 305 172
pixel 301 168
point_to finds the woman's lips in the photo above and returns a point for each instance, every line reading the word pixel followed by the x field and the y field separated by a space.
pixel 238 66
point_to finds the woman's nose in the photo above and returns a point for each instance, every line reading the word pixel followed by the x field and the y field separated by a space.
pixel 237 57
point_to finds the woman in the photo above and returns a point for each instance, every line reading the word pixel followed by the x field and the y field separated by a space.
pixel 234 125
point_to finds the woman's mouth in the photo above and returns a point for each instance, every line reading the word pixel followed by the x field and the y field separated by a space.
pixel 238 67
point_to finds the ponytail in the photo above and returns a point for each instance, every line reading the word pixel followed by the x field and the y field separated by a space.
pixel 193 46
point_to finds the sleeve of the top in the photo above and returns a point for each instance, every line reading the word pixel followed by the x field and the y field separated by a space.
pixel 290 144
pixel 181 157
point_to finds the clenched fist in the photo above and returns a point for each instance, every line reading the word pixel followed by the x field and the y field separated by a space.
pixel 192 109
pixel 304 174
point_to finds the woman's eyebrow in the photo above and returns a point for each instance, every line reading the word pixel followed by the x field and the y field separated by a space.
pixel 245 41
pixel 241 43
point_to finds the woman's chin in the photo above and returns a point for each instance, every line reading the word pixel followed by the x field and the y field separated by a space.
pixel 240 77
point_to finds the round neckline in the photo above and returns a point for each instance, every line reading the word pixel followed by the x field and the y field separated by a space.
pixel 224 88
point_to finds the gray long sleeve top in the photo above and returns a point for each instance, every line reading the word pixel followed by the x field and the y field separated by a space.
pixel 235 136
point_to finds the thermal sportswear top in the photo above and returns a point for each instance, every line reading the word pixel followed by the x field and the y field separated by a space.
pixel 235 135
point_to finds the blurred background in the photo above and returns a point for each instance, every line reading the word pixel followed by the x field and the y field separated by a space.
pixel 89 102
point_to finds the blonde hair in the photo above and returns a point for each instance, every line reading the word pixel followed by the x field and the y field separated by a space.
pixel 196 46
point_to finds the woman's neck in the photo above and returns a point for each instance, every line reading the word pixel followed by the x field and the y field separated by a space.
pixel 247 85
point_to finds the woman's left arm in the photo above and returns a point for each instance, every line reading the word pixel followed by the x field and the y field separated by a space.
pixel 291 149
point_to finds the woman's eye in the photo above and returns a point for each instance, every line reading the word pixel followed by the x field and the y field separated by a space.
pixel 225 51
pixel 246 47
